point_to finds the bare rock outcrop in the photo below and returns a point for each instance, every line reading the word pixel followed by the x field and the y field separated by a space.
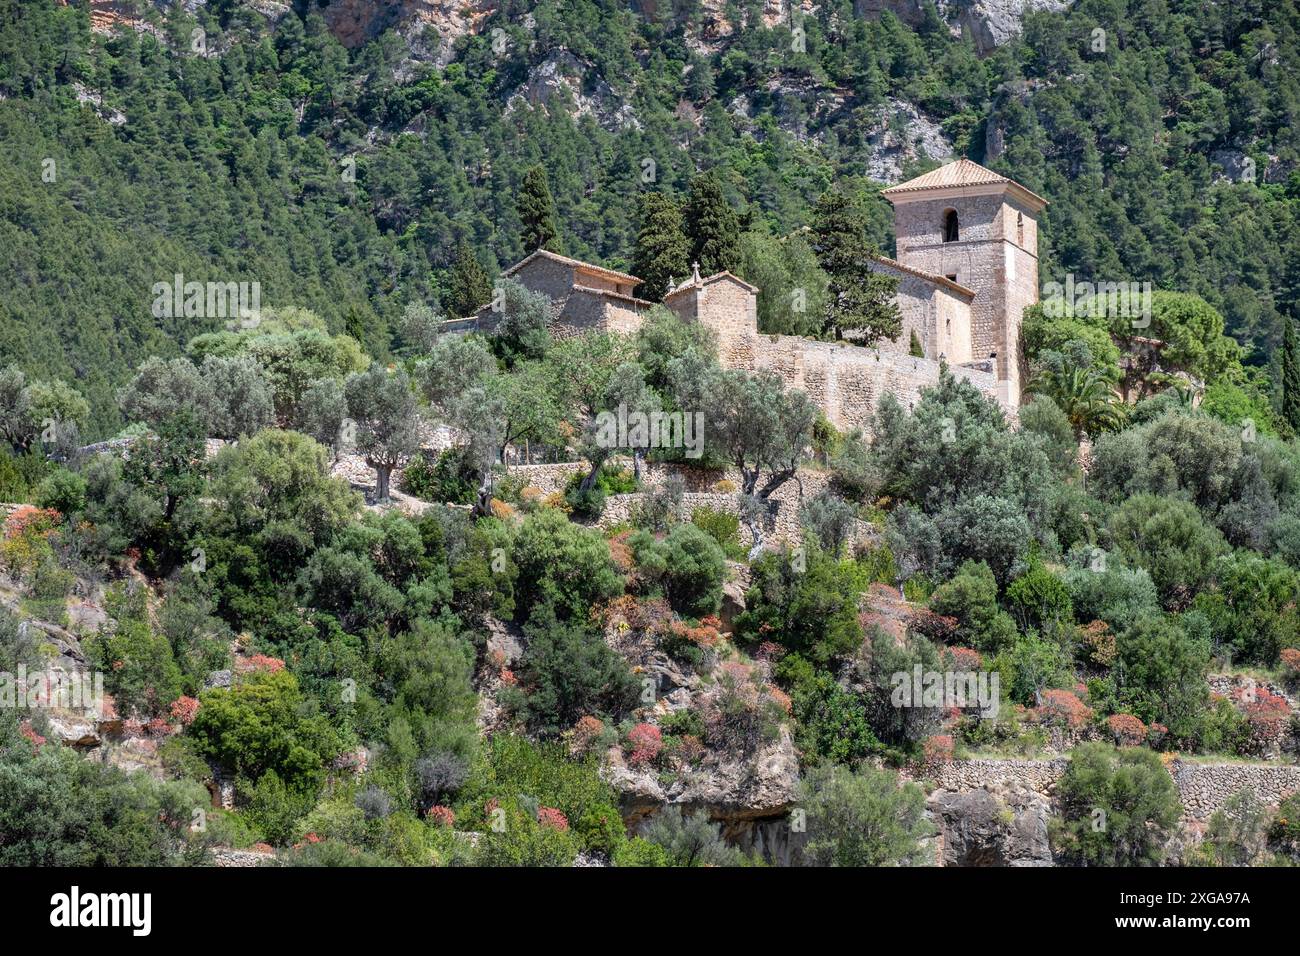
pixel 997 826
pixel 990 23
pixel 430 28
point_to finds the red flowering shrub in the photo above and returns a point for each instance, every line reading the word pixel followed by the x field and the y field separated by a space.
pixel 646 742
pixel 781 697
pixel 1063 708
pixel 965 659
pixel 37 741
pixel 620 552
pixel 158 727
pixel 184 709
pixel 1127 730
pixel 1267 716
pixel 1291 661
pixel 441 816
pixel 508 677
pixel 553 818
pixel 769 651
pixel 260 662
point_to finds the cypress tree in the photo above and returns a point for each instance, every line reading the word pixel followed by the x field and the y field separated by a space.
pixel 468 285
pixel 858 299
pixel 537 213
pixel 712 226
pixel 662 249
pixel 1290 374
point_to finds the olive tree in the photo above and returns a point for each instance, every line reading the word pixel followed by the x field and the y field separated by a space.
pixel 382 406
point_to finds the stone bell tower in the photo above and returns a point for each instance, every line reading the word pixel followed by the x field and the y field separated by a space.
pixel 979 229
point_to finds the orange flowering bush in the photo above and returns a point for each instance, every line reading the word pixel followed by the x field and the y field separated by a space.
pixel 585 733
pixel 441 816
pixel 184 709
pixel 260 662
pixel 1291 661
pixel 1063 708
pixel 781 697
pixel 1267 716
pixel 1127 730
pixel 1099 640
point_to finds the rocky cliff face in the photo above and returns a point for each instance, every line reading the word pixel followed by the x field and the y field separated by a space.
pixel 990 23
pixel 999 826
pixel 429 27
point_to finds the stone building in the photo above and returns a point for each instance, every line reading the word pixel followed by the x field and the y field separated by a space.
pixel 584 296
pixel 967 266
pixel 978 229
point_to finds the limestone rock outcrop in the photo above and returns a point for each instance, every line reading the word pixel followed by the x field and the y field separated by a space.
pixel 997 826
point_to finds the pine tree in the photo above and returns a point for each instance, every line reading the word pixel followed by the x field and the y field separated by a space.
pixel 1290 374
pixel 468 285
pixel 858 299
pixel 712 226
pixel 662 250
pixel 537 213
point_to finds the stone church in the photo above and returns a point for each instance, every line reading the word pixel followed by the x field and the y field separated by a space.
pixel 967 266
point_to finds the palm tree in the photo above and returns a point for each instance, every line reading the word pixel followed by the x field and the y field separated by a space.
pixel 1087 397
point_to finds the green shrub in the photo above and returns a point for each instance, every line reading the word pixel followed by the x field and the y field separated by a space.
pixel 687 565
pixel 518 775
pixel 451 478
pixel 567 672
pixel 862 818
pixel 1118 807
pixel 561 564
pixel 805 601
pixel 723 527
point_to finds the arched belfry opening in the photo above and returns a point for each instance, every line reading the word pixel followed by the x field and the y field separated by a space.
pixel 951 230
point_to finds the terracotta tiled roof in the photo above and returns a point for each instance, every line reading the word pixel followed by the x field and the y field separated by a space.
pixel 963 172
pixel 576 263
pixel 607 293
pixel 922 274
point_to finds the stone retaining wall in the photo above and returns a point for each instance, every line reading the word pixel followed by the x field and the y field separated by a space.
pixel 1203 788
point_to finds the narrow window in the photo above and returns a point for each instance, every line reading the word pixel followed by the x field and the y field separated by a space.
pixel 950 231
pixel 1020 229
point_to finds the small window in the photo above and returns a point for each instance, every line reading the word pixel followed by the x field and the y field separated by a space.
pixel 1020 229
pixel 951 278
pixel 950 229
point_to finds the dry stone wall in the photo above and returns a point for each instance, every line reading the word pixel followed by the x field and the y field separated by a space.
pixel 1202 788
pixel 846 381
